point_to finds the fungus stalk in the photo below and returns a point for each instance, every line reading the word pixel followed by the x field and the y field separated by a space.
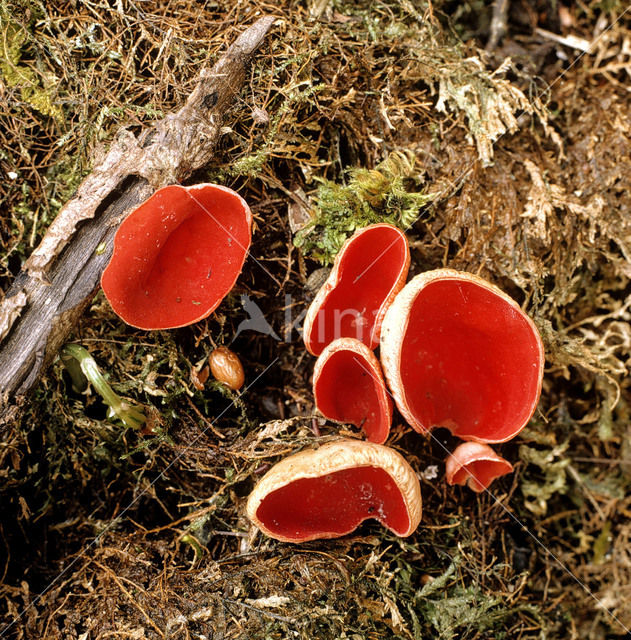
pixel 83 369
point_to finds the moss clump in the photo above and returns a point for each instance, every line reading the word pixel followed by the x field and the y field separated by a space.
pixel 391 192
pixel 37 88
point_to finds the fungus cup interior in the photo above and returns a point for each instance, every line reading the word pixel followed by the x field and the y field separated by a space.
pixel 470 361
pixel 327 492
pixel 480 473
pixel 348 387
pixel 369 270
pixel 177 256
pixel 475 464
pixel 334 504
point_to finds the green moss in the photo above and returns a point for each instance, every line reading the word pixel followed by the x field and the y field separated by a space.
pixel 550 479
pixel 37 88
pixel 392 192
pixel 453 607
pixel 249 165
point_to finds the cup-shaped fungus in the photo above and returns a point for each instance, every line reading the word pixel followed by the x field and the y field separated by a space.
pixel 177 256
pixel 368 272
pixel 459 353
pixel 328 492
pixel 475 465
pixel 348 387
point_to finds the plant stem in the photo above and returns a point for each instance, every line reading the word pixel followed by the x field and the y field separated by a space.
pixel 130 415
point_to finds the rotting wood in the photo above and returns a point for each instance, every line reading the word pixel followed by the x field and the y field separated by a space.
pixel 61 276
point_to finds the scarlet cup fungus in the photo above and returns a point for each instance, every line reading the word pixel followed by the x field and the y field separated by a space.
pixel 476 465
pixel 328 492
pixel 368 272
pixel 177 256
pixel 348 387
pixel 459 353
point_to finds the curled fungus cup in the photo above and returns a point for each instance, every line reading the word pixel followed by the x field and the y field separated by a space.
pixel 459 353
pixel 369 270
pixel 348 387
pixel 475 465
pixel 328 492
pixel 177 256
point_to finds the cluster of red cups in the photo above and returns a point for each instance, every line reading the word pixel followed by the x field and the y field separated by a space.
pixel 455 350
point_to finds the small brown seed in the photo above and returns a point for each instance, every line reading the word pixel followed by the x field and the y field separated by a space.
pixel 227 368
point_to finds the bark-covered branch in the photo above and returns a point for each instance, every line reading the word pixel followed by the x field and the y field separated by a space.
pixel 61 276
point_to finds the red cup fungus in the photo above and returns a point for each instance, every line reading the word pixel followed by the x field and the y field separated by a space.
pixel 369 270
pixel 177 256
pixel 328 492
pixel 475 465
pixel 348 387
pixel 459 353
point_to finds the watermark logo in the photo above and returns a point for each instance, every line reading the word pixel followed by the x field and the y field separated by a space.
pixel 347 322
pixel 256 321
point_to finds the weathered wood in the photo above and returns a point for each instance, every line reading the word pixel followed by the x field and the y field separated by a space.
pixel 60 278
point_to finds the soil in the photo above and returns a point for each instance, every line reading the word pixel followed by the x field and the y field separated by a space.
pixel 512 163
